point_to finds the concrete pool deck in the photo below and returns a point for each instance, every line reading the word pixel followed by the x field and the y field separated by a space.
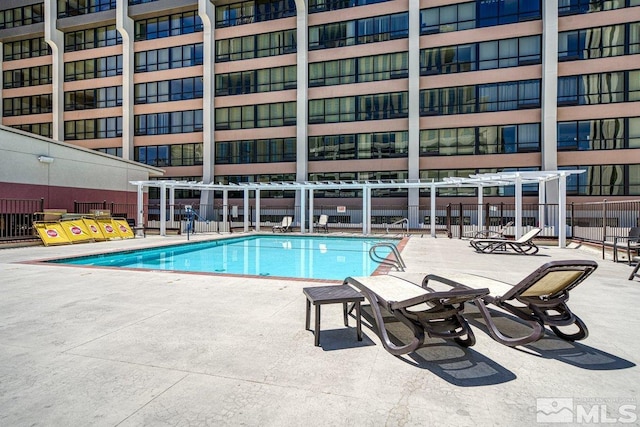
pixel 88 346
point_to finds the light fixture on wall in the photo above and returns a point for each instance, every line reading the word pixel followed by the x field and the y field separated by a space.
pixel 45 159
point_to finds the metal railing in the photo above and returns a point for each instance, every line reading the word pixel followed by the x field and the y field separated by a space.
pixel 397 262
pixel 17 216
pixel 592 222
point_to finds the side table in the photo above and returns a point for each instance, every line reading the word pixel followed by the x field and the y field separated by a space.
pixel 344 294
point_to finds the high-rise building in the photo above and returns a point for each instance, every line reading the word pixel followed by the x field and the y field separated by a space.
pixel 334 90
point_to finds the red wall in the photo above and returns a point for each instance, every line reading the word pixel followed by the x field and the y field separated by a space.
pixel 63 197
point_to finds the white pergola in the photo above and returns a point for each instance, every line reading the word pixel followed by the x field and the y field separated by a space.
pixel 307 189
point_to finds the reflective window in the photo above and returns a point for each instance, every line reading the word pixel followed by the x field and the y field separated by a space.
pixel 169 58
pixel 93 98
pixel 33 76
pixel 167 26
pixel 91 38
pixel 168 123
pixel 106 127
pixel 21 49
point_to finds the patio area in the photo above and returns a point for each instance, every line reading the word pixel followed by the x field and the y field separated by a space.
pixel 107 347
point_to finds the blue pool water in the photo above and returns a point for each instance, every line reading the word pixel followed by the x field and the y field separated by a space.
pixel 330 258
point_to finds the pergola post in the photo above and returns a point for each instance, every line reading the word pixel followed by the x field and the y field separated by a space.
pixel 432 214
pixel 257 227
pixel 311 230
pixel 303 210
pixel 225 208
pixel 163 209
pixel 366 210
pixel 140 201
pixel 480 207
pixel 562 210
pixel 518 184
pixel 542 188
pixel 172 202
pixel 246 209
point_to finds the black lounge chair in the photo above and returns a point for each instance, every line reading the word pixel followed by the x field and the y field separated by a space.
pixel 423 310
pixel 524 245
pixel 539 299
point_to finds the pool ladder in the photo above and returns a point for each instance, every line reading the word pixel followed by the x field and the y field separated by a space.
pixel 396 263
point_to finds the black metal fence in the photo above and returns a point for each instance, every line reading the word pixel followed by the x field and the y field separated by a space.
pixel 589 222
pixel 16 218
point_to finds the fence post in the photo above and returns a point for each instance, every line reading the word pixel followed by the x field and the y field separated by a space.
pixel 460 221
pixel 604 224
pixel 487 216
pixel 448 221
pixel 41 204
pixel 573 221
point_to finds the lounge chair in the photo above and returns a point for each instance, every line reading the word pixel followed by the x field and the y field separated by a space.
pixel 439 314
pixel 523 245
pixel 539 299
pixel 285 225
pixel 489 234
pixel 322 223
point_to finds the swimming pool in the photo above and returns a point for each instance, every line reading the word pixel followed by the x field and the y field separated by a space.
pixel 330 258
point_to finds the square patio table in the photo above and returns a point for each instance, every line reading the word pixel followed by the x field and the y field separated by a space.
pixel 344 294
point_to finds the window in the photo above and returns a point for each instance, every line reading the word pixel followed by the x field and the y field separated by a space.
pixel 359 146
pixel 19 16
pixel 169 58
pixel 169 90
pixel 43 129
pixel 324 5
pixel 91 38
pixel 114 151
pixel 168 123
pixel 590 89
pixel 592 43
pixel 573 7
pixel 25 105
pixel 256 46
pixel 93 68
pixel 481 56
pixel 24 77
pixel 93 98
pixel 256 151
pixel 356 108
pixel 599 180
pixel 482 13
pixel 598 134
pixel 256 116
pixel 30 48
pixel 366 30
pixel 167 26
pixel 107 127
pixel 69 8
pixel 253 11
pixel 254 81
pixel 444 19
pixel 363 69
pixel 169 155
pixel 481 98
pixel 480 140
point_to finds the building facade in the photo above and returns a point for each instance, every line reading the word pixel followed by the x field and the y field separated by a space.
pixel 335 90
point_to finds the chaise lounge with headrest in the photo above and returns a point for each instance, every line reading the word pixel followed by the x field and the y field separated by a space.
pixel 540 299
pixel 436 313
pixel 524 245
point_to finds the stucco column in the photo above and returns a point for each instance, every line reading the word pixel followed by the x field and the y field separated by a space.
pixel 125 27
pixel 413 163
pixel 549 104
pixel 55 39
pixel 207 12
